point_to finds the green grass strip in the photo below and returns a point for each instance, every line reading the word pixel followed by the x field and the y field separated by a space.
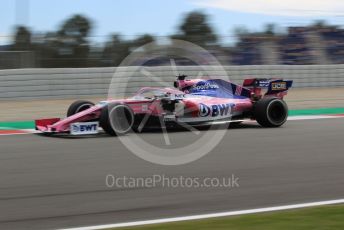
pixel 321 111
pixel 326 217
pixel 17 125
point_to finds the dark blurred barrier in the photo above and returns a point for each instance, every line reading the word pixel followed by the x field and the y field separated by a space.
pixel 17 59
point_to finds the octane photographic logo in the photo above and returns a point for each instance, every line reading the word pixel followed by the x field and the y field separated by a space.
pixel 168 147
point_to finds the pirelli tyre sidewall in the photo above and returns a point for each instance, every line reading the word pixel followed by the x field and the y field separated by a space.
pixel 79 106
pixel 270 112
pixel 116 119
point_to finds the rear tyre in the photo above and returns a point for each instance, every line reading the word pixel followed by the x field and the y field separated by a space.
pixel 79 106
pixel 116 119
pixel 270 112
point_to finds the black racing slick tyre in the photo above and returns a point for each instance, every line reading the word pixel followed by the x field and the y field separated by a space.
pixel 79 106
pixel 270 112
pixel 116 119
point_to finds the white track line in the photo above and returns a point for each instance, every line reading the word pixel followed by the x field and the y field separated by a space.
pixel 312 117
pixel 211 215
pixel 24 131
pixel 291 118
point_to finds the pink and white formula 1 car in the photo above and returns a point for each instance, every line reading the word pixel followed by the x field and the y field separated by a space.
pixel 191 102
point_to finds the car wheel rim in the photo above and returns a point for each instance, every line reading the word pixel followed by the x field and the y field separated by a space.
pixel 121 119
pixel 276 113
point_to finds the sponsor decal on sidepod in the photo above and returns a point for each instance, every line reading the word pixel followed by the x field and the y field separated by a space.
pixel 207 85
pixel 214 110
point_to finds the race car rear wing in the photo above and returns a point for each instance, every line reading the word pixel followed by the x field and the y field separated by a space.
pixel 275 87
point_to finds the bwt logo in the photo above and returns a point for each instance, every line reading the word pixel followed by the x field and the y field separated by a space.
pixel 278 85
pixel 214 110
pixel 84 127
pixel 75 128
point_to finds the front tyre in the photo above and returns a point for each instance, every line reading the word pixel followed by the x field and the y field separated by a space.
pixel 79 106
pixel 116 119
pixel 270 112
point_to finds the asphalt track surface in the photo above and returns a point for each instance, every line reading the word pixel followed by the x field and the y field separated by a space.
pixel 48 183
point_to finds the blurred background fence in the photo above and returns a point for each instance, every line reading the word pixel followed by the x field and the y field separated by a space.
pixel 75 82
